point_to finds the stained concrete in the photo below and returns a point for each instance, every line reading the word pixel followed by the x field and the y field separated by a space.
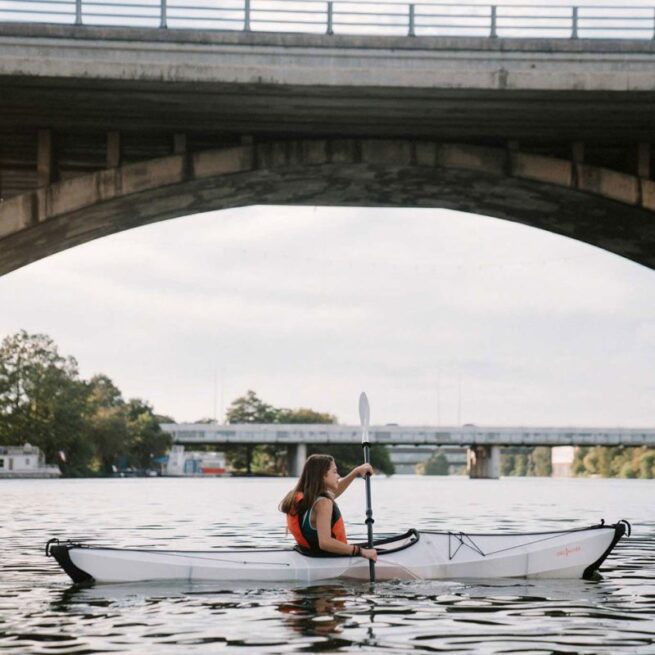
pixel 338 173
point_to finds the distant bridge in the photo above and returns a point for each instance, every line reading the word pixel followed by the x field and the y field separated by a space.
pixel 483 443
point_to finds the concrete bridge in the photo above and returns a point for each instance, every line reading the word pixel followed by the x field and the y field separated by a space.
pixel 105 129
pixel 483 443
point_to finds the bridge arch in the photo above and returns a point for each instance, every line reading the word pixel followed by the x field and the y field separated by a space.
pixel 606 208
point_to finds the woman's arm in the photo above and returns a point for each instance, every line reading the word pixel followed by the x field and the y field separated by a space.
pixel 359 471
pixel 322 520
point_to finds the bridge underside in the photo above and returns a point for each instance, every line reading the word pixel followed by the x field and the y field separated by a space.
pixel 105 129
pixel 578 201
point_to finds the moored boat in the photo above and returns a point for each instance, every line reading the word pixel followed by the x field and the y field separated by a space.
pixel 576 553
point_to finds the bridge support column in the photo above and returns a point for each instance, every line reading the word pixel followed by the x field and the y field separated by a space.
pixel 296 456
pixel 483 461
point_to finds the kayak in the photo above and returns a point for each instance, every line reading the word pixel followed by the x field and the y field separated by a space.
pixel 427 555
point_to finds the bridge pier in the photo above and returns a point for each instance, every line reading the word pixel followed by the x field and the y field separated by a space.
pixel 296 456
pixel 483 461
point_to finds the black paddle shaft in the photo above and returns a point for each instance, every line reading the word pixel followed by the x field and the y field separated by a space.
pixel 369 510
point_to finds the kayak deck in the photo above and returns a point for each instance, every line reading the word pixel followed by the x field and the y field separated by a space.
pixel 576 553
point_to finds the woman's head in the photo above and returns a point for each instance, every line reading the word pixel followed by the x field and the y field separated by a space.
pixel 313 473
pixel 319 474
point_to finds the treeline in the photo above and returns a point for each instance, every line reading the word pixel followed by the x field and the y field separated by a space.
pixel 85 426
pixel 515 461
pixel 273 459
pixel 614 462
pixel 603 461
pixel 526 462
pixel 88 428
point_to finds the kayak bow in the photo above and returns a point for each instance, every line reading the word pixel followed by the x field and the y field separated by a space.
pixel 576 553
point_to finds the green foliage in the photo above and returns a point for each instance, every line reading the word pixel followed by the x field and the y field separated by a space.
pixel 622 462
pixel 525 461
pixel 507 463
pixel 540 462
pixel 436 465
pixel 146 438
pixel 303 415
pixel 250 409
pixel 107 422
pixel 42 399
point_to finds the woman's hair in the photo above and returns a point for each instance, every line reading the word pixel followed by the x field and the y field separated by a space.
pixel 311 484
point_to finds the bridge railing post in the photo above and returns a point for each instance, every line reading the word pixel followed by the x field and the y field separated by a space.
pixel 163 20
pixel 493 33
pixel 78 12
pixel 412 21
pixel 246 16
pixel 330 18
pixel 574 22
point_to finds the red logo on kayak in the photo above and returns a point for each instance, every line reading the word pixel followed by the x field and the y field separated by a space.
pixel 565 552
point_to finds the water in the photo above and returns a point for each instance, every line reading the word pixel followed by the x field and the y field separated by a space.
pixel 41 612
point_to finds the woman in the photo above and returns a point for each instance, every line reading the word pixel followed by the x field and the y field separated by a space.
pixel 313 517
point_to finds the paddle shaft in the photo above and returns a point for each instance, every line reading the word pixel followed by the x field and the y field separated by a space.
pixel 369 510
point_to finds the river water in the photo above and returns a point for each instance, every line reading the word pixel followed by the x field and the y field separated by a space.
pixel 41 612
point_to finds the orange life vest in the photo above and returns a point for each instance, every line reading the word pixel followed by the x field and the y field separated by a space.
pixel 294 523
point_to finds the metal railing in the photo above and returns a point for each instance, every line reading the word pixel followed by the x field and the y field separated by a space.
pixel 346 17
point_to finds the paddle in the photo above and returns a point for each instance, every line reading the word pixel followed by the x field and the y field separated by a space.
pixel 364 417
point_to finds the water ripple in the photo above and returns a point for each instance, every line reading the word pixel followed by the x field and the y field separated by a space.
pixel 40 612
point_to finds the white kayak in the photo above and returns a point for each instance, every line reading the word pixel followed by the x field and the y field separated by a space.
pixel 576 553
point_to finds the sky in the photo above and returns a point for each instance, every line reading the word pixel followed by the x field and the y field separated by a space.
pixel 443 318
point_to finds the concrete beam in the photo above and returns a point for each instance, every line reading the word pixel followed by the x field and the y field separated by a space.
pixel 316 60
pixel 290 435
pixel 564 197
pixel 297 454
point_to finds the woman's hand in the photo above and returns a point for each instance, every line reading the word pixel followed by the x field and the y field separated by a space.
pixel 363 470
pixel 369 553
pixel 360 471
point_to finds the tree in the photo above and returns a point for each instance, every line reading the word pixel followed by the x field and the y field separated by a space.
pixel 303 415
pixel 540 462
pixel 107 423
pixel 437 464
pixel 578 466
pixel 520 464
pixel 507 464
pixel 42 400
pixel 250 409
pixel 647 465
pixel 146 439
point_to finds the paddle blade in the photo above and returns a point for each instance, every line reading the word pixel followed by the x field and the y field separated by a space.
pixel 364 416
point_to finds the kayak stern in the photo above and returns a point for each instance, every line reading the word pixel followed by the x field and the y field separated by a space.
pixel 61 553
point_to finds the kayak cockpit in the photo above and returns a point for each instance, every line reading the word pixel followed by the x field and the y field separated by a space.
pixel 384 546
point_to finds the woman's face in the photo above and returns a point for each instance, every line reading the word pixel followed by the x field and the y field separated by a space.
pixel 332 478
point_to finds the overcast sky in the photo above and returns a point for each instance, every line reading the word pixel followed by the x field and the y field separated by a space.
pixel 442 317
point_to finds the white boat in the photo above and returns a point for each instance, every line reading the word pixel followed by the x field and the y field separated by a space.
pixel 576 553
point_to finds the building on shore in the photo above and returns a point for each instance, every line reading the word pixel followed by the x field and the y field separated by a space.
pixel 25 461
pixel 195 463
pixel 562 461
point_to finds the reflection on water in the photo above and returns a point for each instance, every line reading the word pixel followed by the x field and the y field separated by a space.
pixel 40 612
